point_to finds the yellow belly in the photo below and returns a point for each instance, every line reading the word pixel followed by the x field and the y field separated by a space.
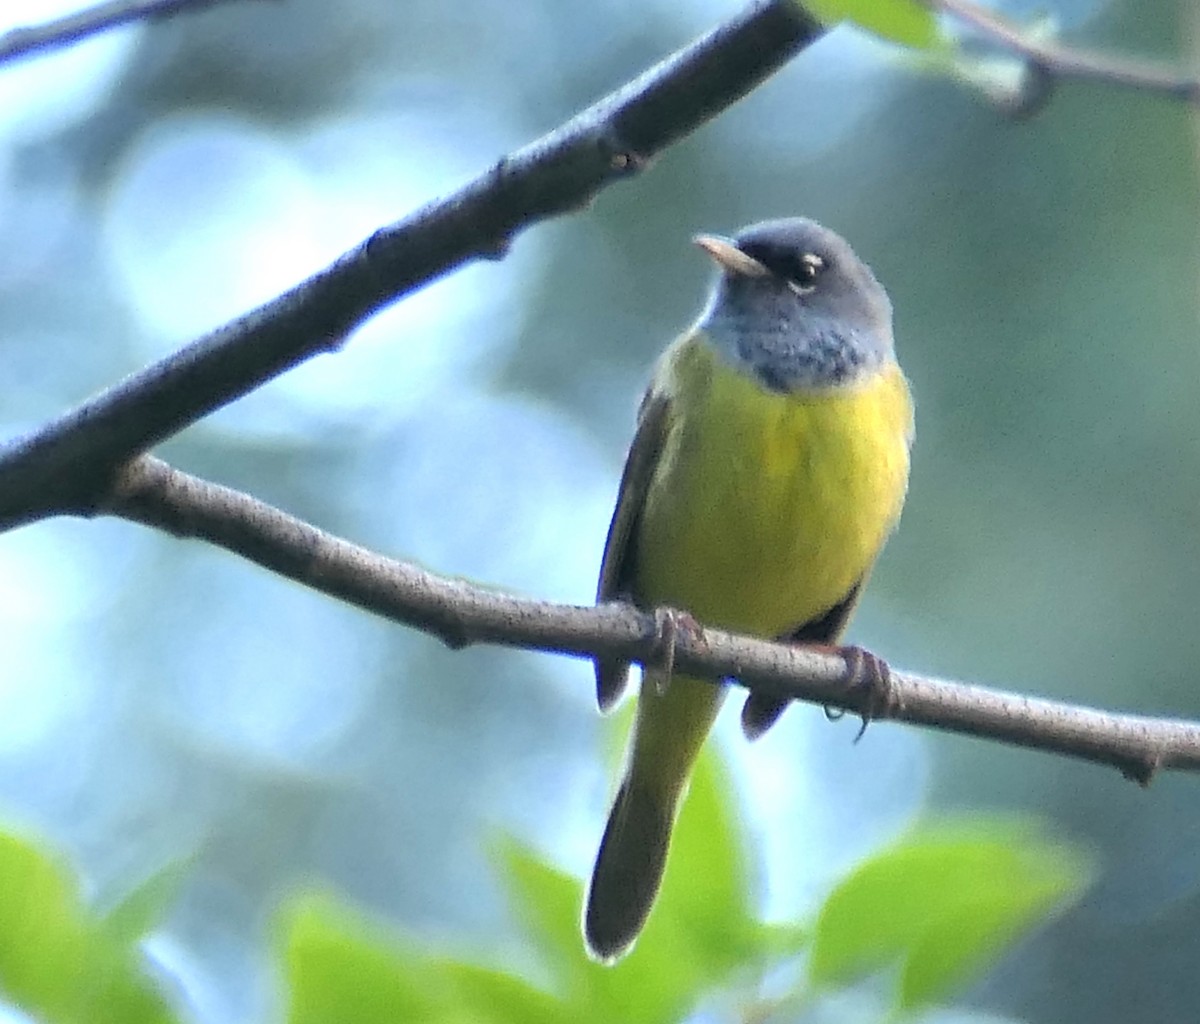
pixel 766 508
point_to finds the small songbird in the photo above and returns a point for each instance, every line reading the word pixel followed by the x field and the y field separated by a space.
pixel 769 467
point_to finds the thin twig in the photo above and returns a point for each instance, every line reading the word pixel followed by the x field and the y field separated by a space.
pixel 68 464
pixel 71 28
pixel 151 492
pixel 1061 62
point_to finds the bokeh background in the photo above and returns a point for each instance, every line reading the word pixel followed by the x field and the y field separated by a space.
pixel 162 701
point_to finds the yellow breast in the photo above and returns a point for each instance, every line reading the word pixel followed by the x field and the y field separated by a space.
pixel 766 509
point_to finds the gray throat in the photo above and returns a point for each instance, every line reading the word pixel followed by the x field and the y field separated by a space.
pixel 792 349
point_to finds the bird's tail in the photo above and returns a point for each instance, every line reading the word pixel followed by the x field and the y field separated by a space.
pixel 673 717
pixel 629 868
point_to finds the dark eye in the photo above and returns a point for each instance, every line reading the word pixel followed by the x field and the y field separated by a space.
pixel 800 269
pixel 807 269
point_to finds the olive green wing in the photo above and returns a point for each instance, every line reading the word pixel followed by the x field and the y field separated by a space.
pixel 760 712
pixel 618 571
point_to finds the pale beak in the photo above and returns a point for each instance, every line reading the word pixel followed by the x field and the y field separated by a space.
pixel 730 257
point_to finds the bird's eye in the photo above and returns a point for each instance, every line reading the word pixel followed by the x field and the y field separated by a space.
pixel 799 270
pixel 808 268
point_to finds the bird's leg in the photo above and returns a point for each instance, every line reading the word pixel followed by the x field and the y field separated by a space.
pixel 669 622
pixel 868 677
pixel 865 672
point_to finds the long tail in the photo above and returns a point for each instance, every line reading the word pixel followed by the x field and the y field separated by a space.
pixel 629 869
pixel 667 737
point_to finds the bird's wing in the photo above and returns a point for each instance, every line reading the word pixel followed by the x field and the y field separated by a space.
pixel 760 712
pixel 620 555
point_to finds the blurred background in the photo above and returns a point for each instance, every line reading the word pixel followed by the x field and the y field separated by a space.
pixel 163 701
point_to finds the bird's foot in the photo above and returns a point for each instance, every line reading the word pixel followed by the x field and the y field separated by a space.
pixel 669 623
pixel 869 680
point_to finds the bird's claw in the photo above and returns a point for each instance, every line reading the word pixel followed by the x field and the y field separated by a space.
pixel 669 623
pixel 869 678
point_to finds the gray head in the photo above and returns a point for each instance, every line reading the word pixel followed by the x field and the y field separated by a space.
pixel 795 307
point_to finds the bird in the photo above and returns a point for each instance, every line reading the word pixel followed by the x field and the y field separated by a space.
pixel 768 468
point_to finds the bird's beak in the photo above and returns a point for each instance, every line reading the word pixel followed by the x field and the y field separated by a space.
pixel 730 257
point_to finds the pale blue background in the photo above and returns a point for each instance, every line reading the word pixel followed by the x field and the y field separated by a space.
pixel 162 700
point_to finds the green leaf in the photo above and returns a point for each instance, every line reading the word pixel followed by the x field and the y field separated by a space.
pixel 699 932
pixel 494 996
pixel 941 904
pixel 43 939
pixel 705 891
pixel 950 952
pixel 548 903
pixel 341 967
pixel 56 962
pixel 643 987
pixel 901 21
pixel 784 940
pixel 144 907
pixel 117 990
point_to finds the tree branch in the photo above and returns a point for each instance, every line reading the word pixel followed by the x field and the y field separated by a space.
pixel 1052 61
pixel 151 492
pixel 80 463
pixel 71 28
pixel 68 464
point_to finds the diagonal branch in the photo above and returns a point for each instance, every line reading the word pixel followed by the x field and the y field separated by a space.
pixel 151 492
pixel 1054 61
pixel 71 28
pixel 80 463
pixel 67 465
